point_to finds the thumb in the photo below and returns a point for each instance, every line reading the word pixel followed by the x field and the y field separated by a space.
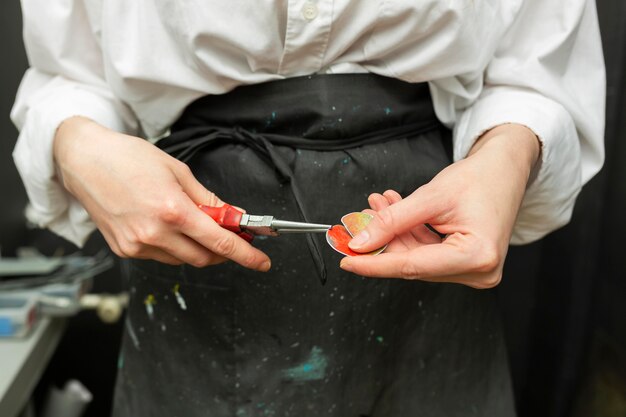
pixel 195 190
pixel 394 220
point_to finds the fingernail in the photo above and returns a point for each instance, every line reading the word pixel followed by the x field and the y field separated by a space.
pixel 345 265
pixel 359 240
pixel 265 266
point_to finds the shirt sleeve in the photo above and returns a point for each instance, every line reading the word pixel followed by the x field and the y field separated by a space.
pixel 547 74
pixel 66 78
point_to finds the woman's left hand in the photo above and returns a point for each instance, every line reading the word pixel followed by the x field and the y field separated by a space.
pixel 473 202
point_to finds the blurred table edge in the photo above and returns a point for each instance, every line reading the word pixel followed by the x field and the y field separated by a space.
pixel 22 362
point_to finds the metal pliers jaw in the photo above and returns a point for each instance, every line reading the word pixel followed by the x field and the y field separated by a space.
pixel 269 226
pixel 248 225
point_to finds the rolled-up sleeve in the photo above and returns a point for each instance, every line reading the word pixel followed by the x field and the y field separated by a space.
pixel 65 79
pixel 547 74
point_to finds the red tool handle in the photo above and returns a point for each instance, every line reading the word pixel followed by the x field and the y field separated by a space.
pixel 228 217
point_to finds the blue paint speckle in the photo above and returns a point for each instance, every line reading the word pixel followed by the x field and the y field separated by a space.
pixel 270 119
pixel 313 368
pixel 387 111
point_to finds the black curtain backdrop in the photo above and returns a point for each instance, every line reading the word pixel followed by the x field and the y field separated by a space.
pixel 88 351
pixel 562 298
pixel 13 197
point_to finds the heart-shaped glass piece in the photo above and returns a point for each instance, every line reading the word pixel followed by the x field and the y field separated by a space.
pixel 339 236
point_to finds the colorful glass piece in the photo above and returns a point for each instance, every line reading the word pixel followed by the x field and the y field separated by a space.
pixel 339 236
pixel 356 222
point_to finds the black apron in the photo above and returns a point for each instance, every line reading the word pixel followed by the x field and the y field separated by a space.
pixel 308 339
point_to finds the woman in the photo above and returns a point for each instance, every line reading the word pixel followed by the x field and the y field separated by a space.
pixel 302 110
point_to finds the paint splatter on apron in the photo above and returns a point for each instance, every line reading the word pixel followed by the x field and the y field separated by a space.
pixel 225 341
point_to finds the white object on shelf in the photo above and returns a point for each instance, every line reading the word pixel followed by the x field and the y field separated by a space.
pixel 71 401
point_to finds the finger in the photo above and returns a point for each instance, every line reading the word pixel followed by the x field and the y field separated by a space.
pixel 392 196
pixel 194 189
pixel 173 249
pixel 449 262
pixel 425 235
pixel 410 239
pixel 144 252
pixel 377 201
pixel 203 229
pixel 396 245
pixel 394 220
pixel 159 255
pixel 421 233
pixel 124 247
pixel 189 251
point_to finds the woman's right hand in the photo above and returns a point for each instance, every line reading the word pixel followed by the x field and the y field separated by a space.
pixel 143 200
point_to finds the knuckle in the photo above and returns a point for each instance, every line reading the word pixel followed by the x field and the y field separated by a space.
pixel 172 212
pixel 201 261
pixel 149 235
pixel 408 270
pixel 118 252
pixel 487 281
pixel 211 199
pixel 488 260
pixel 183 168
pixel 251 261
pixel 171 261
pixel 224 246
pixel 113 245
pixel 386 219
pixel 130 249
pixel 493 280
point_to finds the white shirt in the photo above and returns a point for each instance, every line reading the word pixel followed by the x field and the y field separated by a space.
pixel 134 65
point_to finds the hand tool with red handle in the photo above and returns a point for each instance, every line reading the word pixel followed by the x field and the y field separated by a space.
pixel 248 225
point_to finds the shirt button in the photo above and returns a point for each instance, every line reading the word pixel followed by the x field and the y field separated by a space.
pixel 309 11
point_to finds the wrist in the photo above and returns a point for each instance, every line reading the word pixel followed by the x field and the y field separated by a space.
pixel 68 131
pixel 516 141
pixel 68 150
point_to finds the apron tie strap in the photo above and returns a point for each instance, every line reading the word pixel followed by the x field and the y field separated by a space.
pixel 185 150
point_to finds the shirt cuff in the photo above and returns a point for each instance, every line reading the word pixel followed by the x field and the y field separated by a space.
pixel 550 197
pixel 51 206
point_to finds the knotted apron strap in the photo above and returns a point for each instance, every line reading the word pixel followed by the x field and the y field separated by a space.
pixel 185 150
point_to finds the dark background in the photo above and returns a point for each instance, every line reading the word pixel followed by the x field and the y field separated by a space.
pixel 89 348
pixel 563 299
